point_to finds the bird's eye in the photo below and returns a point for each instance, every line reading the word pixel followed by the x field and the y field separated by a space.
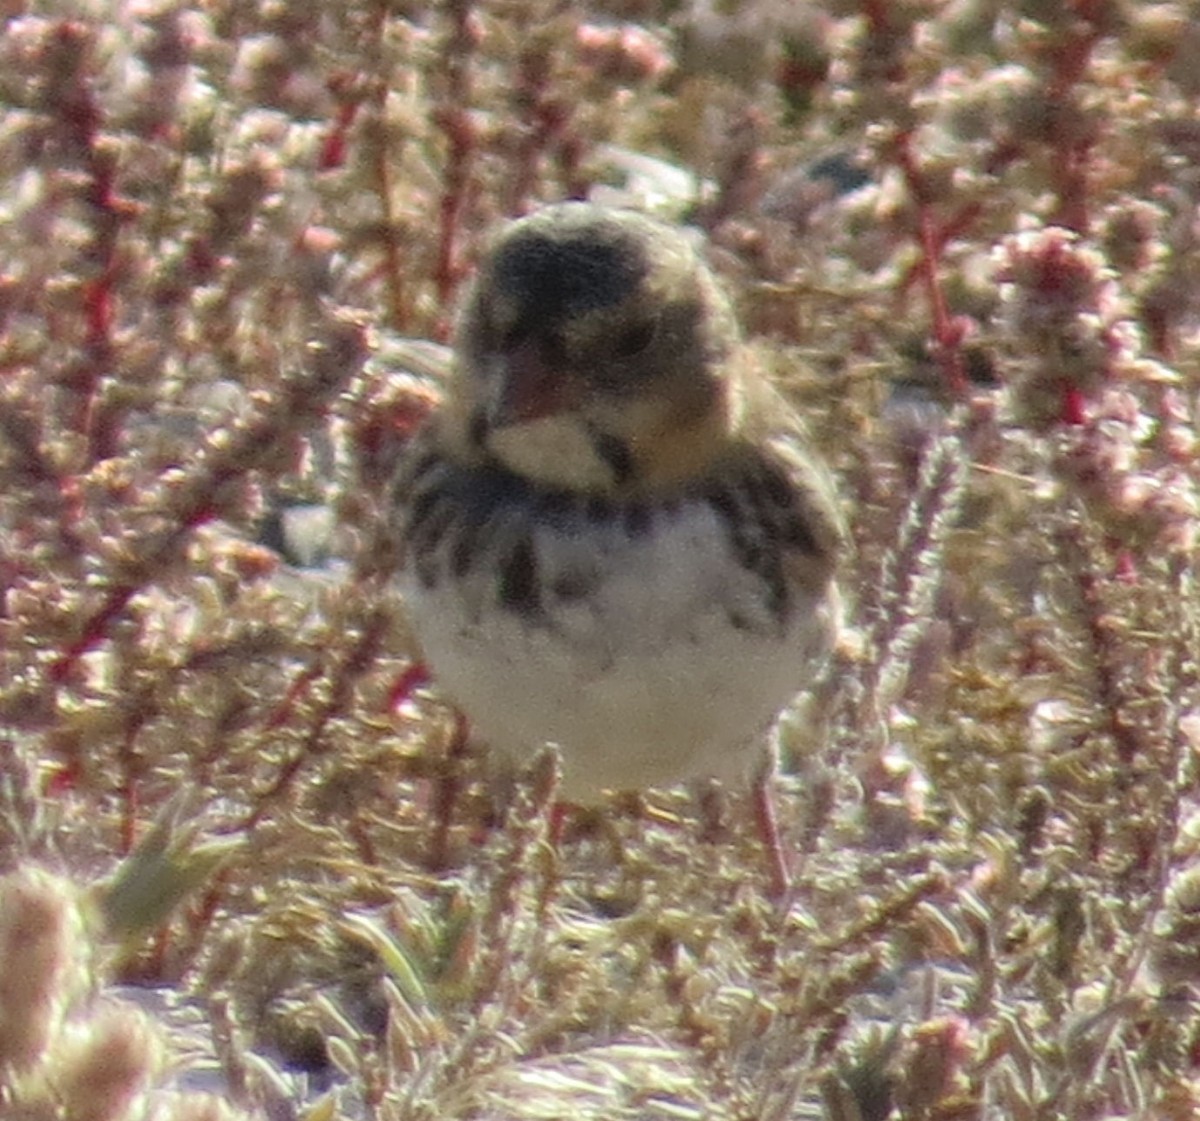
pixel 632 341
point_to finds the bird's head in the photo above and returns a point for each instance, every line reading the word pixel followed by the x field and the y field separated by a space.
pixel 594 353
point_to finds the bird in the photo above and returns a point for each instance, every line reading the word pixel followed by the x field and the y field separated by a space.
pixel 613 535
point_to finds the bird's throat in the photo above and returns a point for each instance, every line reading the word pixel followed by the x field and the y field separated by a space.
pixel 556 451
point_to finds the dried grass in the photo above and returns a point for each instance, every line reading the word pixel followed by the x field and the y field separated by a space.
pixel 963 236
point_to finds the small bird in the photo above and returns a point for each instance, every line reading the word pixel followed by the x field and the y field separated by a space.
pixel 612 536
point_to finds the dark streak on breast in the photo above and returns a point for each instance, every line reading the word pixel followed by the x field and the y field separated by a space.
pixel 637 519
pixel 574 584
pixel 519 579
pixel 598 509
pixel 429 520
pixel 757 533
pixel 467 548
pixel 462 519
pixel 783 513
pixel 556 507
pixel 615 455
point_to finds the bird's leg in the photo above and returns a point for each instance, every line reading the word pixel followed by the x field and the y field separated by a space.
pixel 447 790
pixel 762 794
pixel 765 818
pixel 711 808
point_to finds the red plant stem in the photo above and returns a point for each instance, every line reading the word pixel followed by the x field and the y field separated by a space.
pixel 92 633
pixel 947 334
pixel 295 691
pixel 82 120
pixel 944 232
pixel 342 680
pixel 95 629
pixel 414 677
pixel 1071 162
pixel 1124 736
pixel 130 773
pixel 542 119
pixel 448 789
pixel 1074 406
pixel 194 503
pixel 23 433
pixel 882 44
pixel 201 918
pixel 454 118
pixel 393 260
pixel 1072 212
pixel 332 155
pixel 877 13
pixel 383 158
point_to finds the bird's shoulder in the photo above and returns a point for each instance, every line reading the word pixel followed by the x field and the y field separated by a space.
pixel 772 444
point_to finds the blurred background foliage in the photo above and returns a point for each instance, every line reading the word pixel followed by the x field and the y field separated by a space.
pixel 962 235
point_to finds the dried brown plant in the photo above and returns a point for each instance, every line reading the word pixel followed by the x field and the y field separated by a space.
pixel 963 236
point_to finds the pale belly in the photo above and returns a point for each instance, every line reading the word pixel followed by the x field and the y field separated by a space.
pixel 657 660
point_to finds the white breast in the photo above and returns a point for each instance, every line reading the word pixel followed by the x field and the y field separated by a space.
pixel 669 667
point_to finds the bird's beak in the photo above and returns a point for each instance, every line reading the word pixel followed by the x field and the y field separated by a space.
pixel 529 387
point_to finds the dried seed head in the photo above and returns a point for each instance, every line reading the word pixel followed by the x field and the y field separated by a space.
pixel 104 1063
pixel 1058 294
pixel 38 929
pixel 199 1107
